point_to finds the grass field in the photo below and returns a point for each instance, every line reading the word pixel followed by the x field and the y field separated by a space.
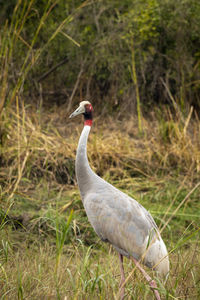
pixel 48 249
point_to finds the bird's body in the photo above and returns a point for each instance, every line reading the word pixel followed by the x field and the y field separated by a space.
pixel 116 217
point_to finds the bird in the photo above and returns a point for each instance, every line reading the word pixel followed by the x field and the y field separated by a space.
pixel 116 217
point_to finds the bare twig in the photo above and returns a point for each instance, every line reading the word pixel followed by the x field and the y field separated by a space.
pixel 74 89
pixel 76 84
pixel 53 69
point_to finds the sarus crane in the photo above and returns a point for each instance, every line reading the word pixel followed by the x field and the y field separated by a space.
pixel 117 218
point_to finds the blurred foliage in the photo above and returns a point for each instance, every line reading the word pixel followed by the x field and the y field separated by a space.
pixel 95 37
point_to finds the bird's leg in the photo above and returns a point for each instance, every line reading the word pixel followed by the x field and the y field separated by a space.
pixel 122 285
pixel 151 282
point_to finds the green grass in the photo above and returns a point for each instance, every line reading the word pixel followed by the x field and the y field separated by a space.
pixel 89 271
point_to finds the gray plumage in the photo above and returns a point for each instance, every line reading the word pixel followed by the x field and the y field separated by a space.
pixel 116 217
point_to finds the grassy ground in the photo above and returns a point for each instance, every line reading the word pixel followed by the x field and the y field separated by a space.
pixel 48 249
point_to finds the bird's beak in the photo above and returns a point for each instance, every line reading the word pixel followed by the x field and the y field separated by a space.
pixel 78 111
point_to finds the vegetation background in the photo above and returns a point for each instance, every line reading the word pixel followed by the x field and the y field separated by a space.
pixel 138 62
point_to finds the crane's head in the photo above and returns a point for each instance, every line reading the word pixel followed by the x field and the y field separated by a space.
pixel 85 108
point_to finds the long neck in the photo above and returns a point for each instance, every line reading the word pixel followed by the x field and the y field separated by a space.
pixel 84 173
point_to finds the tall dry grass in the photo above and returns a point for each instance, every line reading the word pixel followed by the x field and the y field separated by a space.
pixel 166 146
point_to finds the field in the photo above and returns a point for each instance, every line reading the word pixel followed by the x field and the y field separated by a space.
pixel 48 249
pixel 139 64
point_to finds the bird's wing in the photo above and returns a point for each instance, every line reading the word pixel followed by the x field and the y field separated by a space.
pixel 119 219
